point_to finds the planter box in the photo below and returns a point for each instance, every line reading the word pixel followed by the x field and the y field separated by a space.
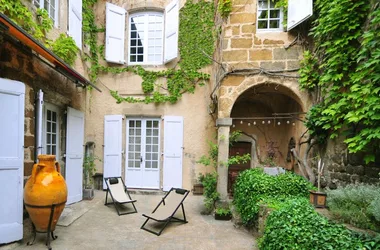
pixel 198 189
pixel 223 217
pixel 318 199
pixel 88 194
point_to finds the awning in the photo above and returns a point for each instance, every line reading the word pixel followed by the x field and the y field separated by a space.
pixel 8 27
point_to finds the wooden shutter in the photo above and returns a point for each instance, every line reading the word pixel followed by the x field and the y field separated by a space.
pixel 115 33
pixel 173 150
pixel 298 11
pixel 171 31
pixel 112 146
pixel 12 115
pixel 75 21
pixel 74 154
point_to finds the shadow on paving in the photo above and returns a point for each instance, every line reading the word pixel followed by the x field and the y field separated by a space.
pixel 91 225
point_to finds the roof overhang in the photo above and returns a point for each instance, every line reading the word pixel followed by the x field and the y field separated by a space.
pixel 8 27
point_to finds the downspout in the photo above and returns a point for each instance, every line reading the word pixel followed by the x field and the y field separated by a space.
pixel 39 101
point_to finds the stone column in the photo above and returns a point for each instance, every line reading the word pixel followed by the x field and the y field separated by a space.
pixel 223 125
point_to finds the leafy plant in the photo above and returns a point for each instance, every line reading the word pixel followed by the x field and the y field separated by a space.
pixel 225 8
pixel 89 168
pixel 253 186
pixel 356 204
pixel 223 211
pixel 343 68
pixel 209 180
pixel 65 48
pixel 296 225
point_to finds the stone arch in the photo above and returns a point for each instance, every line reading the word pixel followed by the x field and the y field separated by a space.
pixel 290 87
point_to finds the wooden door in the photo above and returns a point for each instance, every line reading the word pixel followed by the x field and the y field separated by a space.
pixel 238 148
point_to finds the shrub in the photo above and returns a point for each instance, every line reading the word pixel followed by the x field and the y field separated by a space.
pixel 210 193
pixel 254 186
pixel 356 204
pixel 296 225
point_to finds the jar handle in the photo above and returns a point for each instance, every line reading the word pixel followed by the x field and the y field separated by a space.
pixel 36 168
pixel 58 167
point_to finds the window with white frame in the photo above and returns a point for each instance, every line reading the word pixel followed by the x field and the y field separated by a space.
pixel 146 38
pixel 51 6
pixel 269 17
pixel 152 36
pixel 50 133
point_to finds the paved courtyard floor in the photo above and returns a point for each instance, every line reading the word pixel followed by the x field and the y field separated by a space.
pixel 91 225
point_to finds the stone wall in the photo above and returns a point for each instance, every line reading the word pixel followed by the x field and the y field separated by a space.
pixel 343 168
pixel 18 64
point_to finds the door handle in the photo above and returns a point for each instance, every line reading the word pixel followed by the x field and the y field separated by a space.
pixel 141 159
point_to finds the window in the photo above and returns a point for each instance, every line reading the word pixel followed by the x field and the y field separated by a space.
pixel 152 36
pixel 269 17
pixel 50 6
pixel 146 38
pixel 50 132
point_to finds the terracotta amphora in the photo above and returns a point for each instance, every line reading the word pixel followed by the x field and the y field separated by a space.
pixel 44 192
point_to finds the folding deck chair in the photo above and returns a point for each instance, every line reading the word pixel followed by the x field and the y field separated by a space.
pixel 119 194
pixel 166 209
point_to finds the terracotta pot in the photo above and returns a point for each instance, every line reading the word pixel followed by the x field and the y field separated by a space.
pixel 45 189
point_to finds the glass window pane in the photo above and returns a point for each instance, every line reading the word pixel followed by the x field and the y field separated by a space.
pixel 155 140
pixel 263 14
pixel 263 4
pixel 155 132
pixel 133 42
pixel 274 13
pixel 48 138
pixel 154 164
pixel 273 3
pixel 137 164
pixel 149 124
pixel 137 156
pixel 138 140
pixel 132 58
pixel 155 124
pixel 140 50
pixel 48 115
pixel 54 129
pixel 131 155
pixel 131 140
pixel 148 164
pixel 148 140
pixel 131 123
pixel 137 148
pixel 54 139
pixel 148 156
pixel 138 131
pixel 263 24
pixel 133 50
pixel 131 148
pixel 155 156
pixel 130 164
pixel 48 149
pixel 148 148
pixel 53 150
pixel 273 24
pixel 48 127
pixel 54 116
pixel 140 58
pixel 155 148
pixel 138 124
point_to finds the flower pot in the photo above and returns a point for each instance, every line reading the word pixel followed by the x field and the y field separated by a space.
pixel 198 189
pixel 223 216
pixel 318 199
pixel 45 192
pixel 88 194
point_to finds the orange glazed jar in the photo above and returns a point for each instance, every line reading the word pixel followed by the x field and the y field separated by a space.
pixel 45 192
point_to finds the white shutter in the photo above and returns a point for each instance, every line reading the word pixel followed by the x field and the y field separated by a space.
pixel 112 146
pixel 115 28
pixel 298 11
pixel 74 155
pixel 75 21
pixel 12 103
pixel 39 112
pixel 171 31
pixel 173 148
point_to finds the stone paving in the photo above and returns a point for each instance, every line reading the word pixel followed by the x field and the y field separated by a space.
pixel 91 225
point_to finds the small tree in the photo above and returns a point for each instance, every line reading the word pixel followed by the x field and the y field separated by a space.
pixel 89 169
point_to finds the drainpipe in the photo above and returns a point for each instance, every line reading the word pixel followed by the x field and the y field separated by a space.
pixel 39 101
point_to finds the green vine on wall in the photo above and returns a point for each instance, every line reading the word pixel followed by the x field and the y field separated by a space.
pixel 196 21
pixel 345 68
pixel 39 27
pixel 224 8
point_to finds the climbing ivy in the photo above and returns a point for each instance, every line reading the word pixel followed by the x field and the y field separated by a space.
pixel 345 67
pixel 196 21
pixel 224 8
pixel 39 27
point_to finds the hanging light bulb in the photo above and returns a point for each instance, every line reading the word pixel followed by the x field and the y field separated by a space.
pixel 287 122
pixel 278 123
pixel 293 124
pixel 241 122
pixel 268 121
pixel 254 123
pixel 233 125
pixel 263 122
pixel 249 124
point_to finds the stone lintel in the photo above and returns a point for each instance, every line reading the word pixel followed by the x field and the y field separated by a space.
pixel 220 122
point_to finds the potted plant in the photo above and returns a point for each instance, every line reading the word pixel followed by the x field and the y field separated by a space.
pixel 318 198
pixel 223 213
pixel 88 172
